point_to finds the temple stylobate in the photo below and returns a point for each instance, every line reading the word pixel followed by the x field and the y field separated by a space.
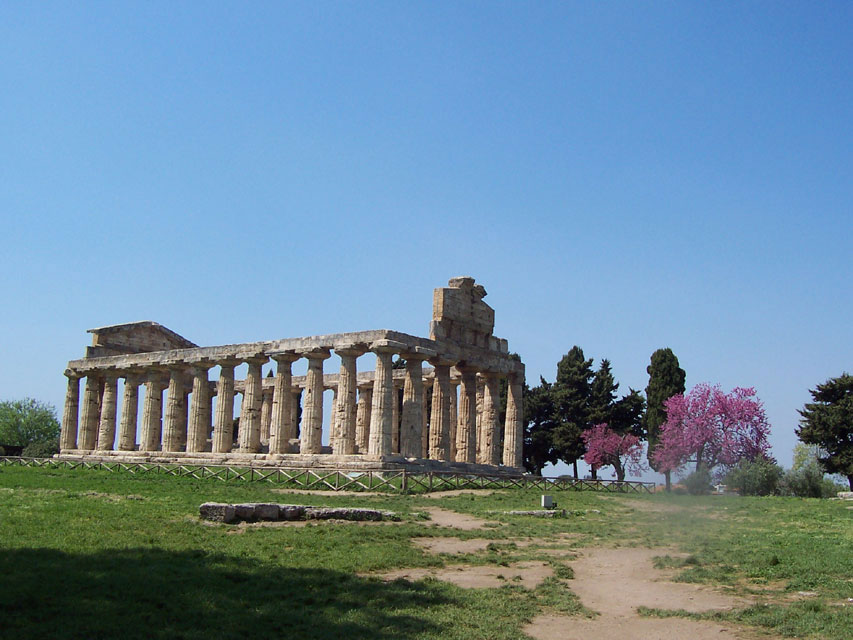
pixel 430 403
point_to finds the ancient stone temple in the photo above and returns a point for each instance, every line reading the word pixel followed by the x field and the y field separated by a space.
pixel 431 404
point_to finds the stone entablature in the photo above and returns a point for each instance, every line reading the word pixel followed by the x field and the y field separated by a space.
pixel 447 412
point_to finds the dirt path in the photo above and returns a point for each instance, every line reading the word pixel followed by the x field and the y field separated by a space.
pixel 455 520
pixel 614 582
pixel 527 574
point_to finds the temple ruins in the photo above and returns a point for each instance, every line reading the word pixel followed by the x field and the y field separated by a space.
pixel 445 416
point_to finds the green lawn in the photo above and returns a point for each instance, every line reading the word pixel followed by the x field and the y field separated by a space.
pixel 88 554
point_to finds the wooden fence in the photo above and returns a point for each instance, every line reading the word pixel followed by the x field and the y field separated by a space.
pixel 395 480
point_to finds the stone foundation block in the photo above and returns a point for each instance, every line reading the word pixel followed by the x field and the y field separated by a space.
pixel 218 512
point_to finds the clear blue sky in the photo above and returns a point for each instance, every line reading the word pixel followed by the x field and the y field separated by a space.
pixel 621 176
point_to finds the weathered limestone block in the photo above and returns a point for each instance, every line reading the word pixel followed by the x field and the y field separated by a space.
pixel 291 512
pixel 348 513
pixel 218 512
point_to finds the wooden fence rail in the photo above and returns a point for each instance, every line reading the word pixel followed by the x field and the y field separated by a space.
pixel 395 480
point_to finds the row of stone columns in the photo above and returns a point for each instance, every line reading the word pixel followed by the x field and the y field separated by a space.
pixel 366 417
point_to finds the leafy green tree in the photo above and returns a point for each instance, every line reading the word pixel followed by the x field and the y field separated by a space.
pixel 805 478
pixel 27 421
pixel 571 396
pixel 828 423
pixel 539 427
pixel 623 416
pixel 666 379
pixel 759 477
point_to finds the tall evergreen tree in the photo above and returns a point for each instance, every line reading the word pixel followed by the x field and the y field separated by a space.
pixel 828 423
pixel 539 423
pixel 571 397
pixel 666 379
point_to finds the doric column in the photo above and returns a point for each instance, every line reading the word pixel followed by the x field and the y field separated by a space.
pixel 282 420
pixel 514 425
pixel 411 428
pixel 223 422
pixel 333 427
pixel 107 427
pixel 346 413
pixel 362 419
pixel 250 410
pixel 199 423
pixel 425 408
pixel 176 408
pixel 395 417
pixel 129 410
pixel 439 436
pixel 266 414
pixel 382 411
pixel 490 429
pixel 89 419
pixel 68 439
pixel 152 411
pixel 454 417
pixel 479 422
pixel 312 413
pixel 466 430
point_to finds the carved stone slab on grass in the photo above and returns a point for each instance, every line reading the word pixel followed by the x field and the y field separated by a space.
pixel 272 512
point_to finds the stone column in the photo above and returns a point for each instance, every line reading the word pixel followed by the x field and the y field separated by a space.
pixel 382 410
pixel 346 412
pixel 199 423
pixel 129 410
pixel 176 409
pixel 362 419
pixel 395 417
pixel 439 436
pixel 490 453
pixel 514 424
pixel 223 422
pixel 152 411
pixel 411 429
pixel 107 427
pixel 425 408
pixel 68 439
pixel 282 420
pixel 266 415
pixel 89 419
pixel 466 431
pixel 250 410
pixel 333 427
pixel 310 440
pixel 454 417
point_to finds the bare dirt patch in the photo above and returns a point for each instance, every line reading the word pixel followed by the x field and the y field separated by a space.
pixel 455 520
pixel 457 492
pixel 475 545
pixel 322 492
pixel 527 574
pixel 614 582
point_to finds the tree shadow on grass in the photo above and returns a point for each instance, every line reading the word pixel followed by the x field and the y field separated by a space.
pixel 144 593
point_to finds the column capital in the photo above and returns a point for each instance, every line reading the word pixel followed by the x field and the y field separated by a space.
pixel 284 356
pixel 418 353
pixel 442 361
pixel 354 349
pixel 388 346
pixel 258 359
pixel 316 353
pixel 73 373
pixel 228 362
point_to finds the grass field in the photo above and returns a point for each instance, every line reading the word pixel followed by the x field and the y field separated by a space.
pixel 88 554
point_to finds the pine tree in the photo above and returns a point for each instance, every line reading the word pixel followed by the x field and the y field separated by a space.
pixel 571 396
pixel 666 379
pixel 538 427
pixel 828 423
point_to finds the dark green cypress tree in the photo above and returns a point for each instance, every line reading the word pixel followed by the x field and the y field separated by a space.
pixel 571 396
pixel 666 379
pixel 828 423
pixel 538 427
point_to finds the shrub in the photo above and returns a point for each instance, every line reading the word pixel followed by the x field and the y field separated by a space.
pixel 698 483
pixel 808 482
pixel 44 449
pixel 755 478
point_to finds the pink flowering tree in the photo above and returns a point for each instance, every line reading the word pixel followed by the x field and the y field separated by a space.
pixel 712 428
pixel 606 448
